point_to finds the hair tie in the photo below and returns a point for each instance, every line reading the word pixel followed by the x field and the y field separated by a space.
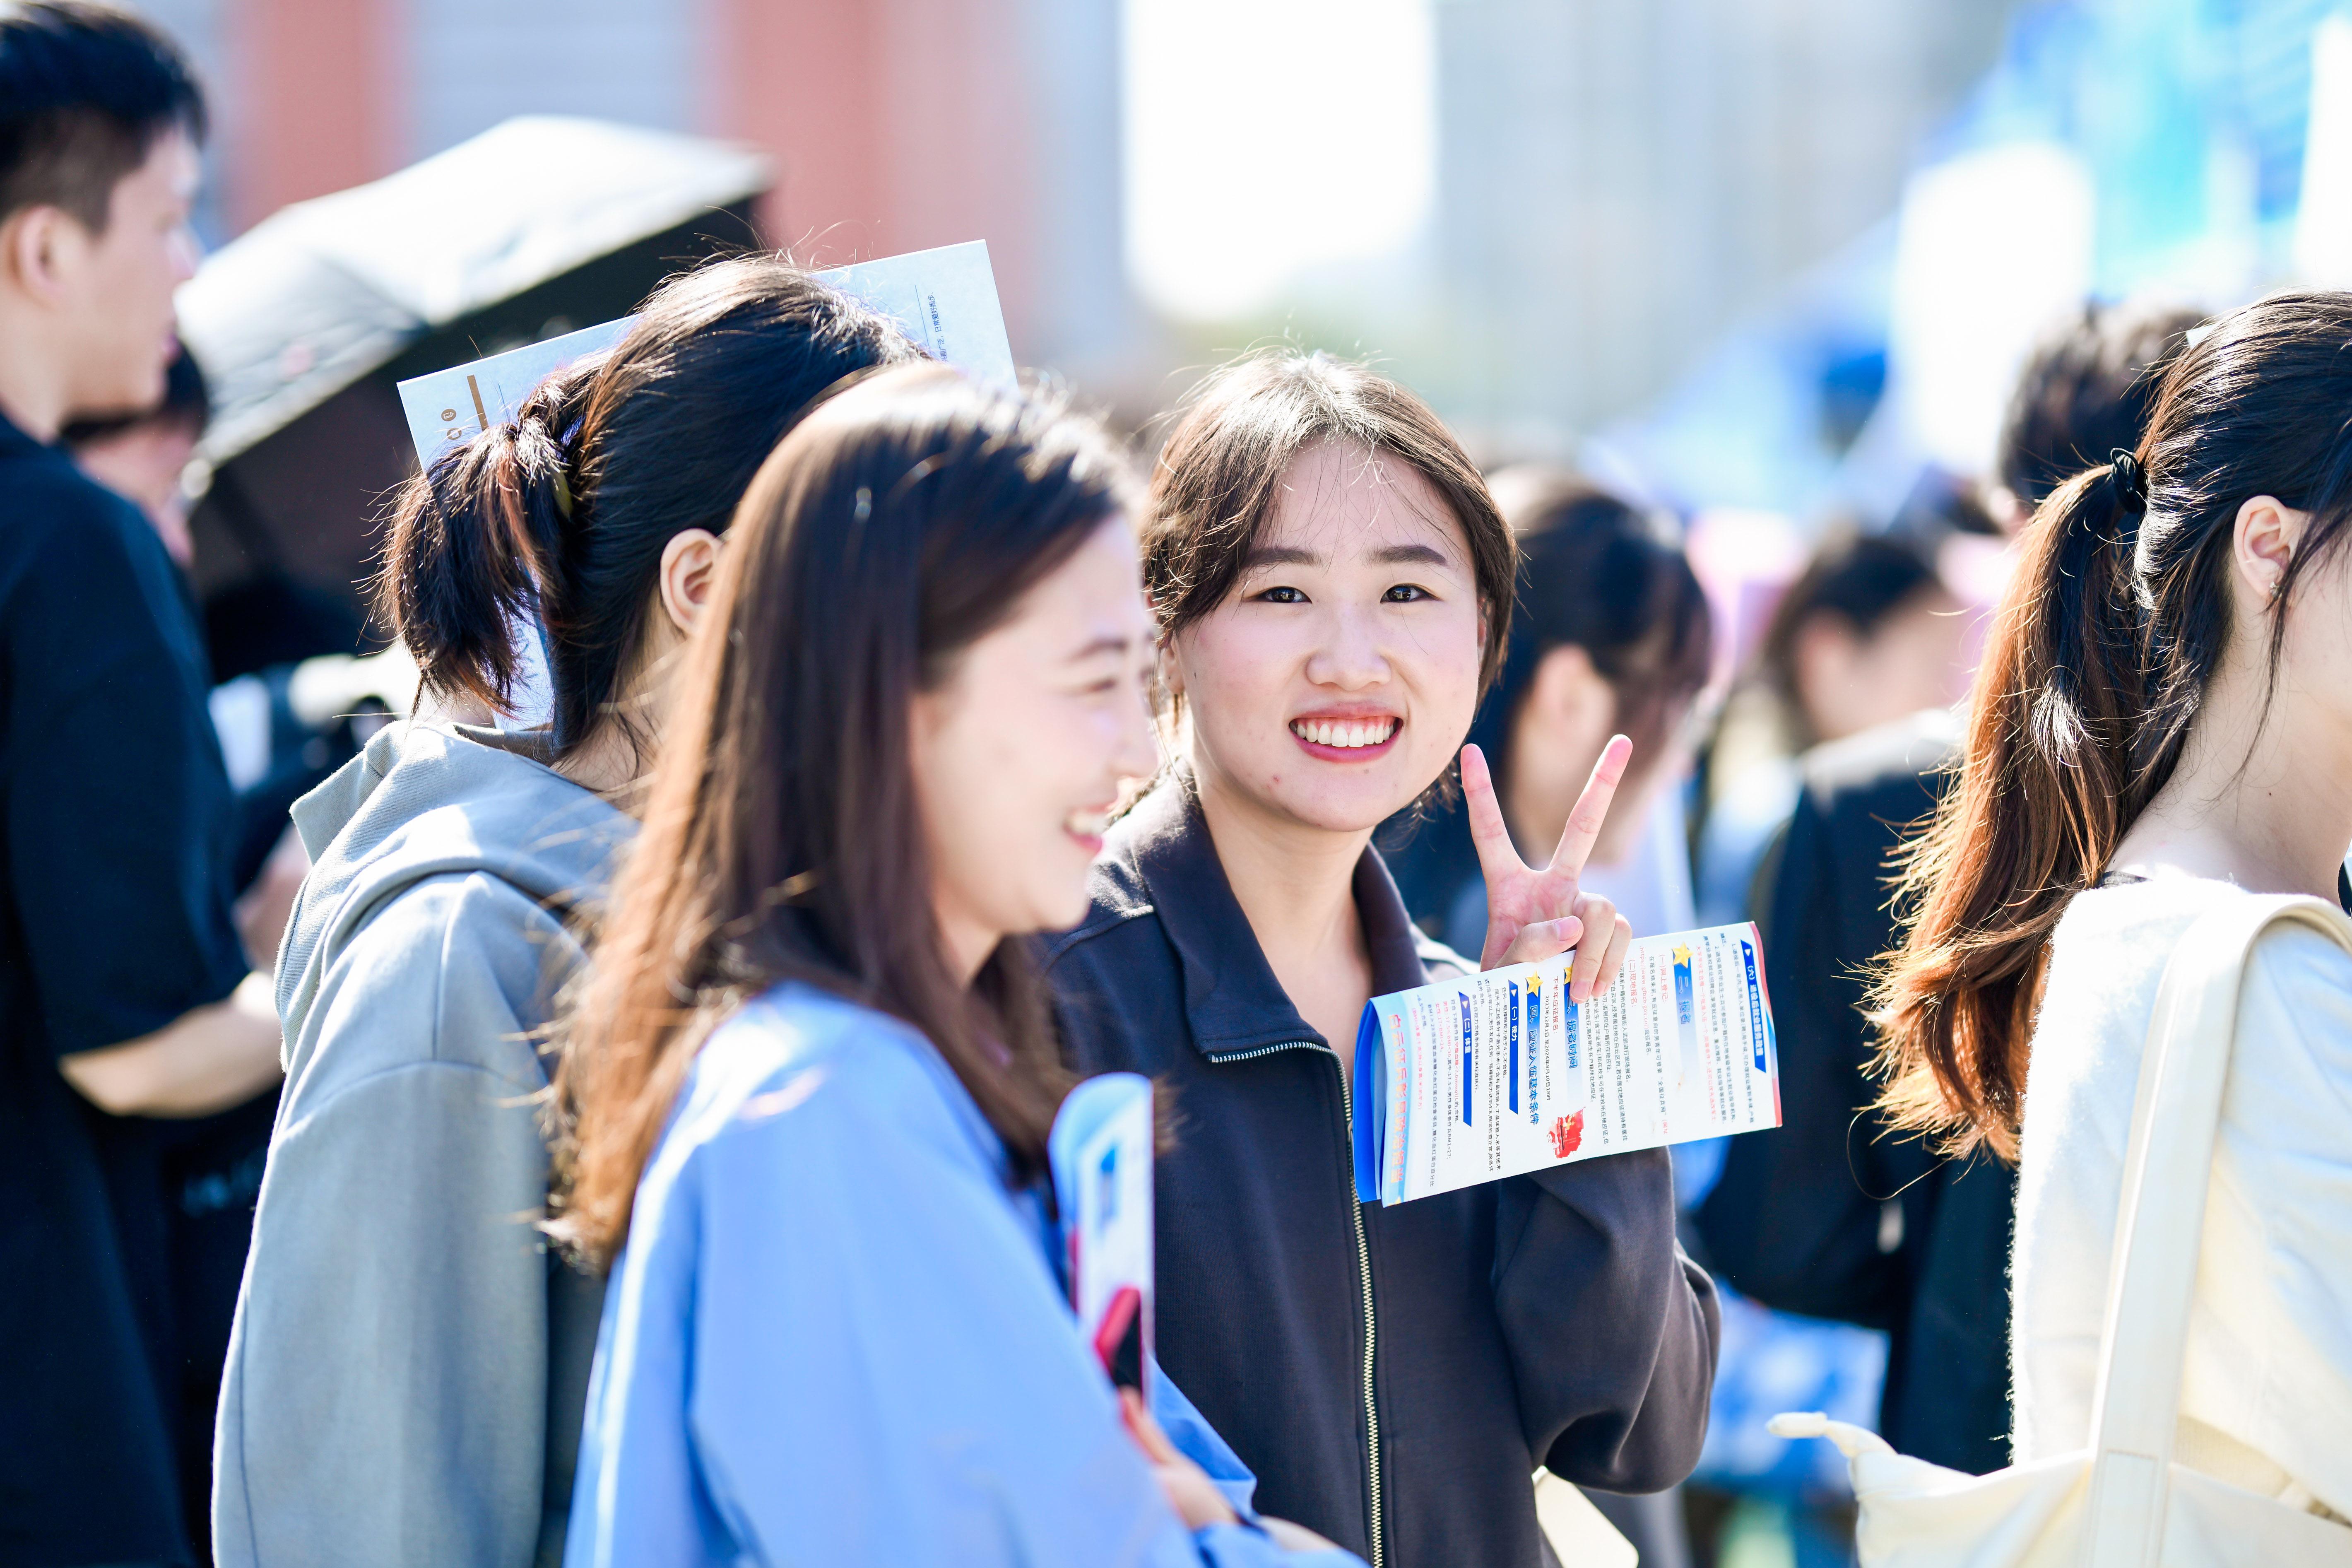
pixel 2131 478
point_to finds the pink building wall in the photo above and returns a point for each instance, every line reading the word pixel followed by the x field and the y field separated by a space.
pixel 893 124
pixel 316 84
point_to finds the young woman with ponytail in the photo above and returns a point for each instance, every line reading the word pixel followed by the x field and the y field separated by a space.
pixel 408 1364
pixel 2163 721
pixel 816 1070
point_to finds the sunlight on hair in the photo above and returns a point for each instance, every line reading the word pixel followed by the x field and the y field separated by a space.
pixel 1217 220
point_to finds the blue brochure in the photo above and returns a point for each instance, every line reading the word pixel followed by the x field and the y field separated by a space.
pixel 1496 1074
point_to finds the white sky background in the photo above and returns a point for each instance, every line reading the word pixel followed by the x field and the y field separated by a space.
pixel 1265 138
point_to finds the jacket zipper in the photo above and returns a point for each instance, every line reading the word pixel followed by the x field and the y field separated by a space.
pixel 1363 1268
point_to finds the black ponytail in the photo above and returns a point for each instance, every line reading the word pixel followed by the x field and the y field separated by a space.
pixel 560 517
pixel 471 543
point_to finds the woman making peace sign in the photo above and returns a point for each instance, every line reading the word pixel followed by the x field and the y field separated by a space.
pixel 1333 587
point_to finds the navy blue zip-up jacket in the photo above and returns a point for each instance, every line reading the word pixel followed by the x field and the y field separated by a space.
pixel 1394 1375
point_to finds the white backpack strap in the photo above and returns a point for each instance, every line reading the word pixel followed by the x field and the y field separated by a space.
pixel 2167 1166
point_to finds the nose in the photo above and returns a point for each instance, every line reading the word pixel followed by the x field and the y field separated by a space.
pixel 1348 655
pixel 184 253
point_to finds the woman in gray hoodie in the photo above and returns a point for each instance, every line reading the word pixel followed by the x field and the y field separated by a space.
pixel 407 1374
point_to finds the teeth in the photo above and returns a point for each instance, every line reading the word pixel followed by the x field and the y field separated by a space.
pixel 1089 823
pixel 1346 733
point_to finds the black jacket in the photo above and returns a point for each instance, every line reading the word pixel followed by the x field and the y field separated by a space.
pixel 1545 1320
pixel 1832 1216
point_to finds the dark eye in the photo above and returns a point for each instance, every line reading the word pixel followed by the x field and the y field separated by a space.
pixel 1405 593
pixel 1282 596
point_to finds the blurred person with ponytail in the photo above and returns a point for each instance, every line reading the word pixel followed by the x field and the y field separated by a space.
pixel 1610 635
pixel 2163 723
pixel 409 1359
pixel 815 1070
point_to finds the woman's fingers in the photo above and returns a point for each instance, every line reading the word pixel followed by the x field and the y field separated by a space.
pixel 1576 839
pixel 1540 939
pixel 1600 921
pixel 1620 938
pixel 1496 858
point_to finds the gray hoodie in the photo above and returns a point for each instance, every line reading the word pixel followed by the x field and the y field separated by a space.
pixel 407 1374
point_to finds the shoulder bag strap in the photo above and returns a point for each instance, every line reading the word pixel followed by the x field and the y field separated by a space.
pixel 2161 1223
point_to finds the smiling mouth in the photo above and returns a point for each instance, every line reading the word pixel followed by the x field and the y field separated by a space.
pixel 1087 824
pixel 1346 735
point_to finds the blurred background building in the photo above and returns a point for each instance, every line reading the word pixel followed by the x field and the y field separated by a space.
pixel 892 125
pixel 1568 221
pixel 1620 181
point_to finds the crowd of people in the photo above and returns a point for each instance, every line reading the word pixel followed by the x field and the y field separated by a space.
pixel 624 1138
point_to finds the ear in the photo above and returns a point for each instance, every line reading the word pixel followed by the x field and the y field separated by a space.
pixel 2263 542
pixel 689 567
pixel 1170 666
pixel 40 246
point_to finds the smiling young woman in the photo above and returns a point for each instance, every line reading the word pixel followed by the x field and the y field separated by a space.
pixel 815 1072
pixel 1333 586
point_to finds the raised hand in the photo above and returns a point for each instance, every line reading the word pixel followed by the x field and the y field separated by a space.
pixel 1535 912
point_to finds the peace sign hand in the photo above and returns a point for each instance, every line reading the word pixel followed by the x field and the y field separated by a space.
pixel 1535 912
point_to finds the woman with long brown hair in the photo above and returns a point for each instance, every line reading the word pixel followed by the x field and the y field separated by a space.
pixel 2163 724
pixel 814 1073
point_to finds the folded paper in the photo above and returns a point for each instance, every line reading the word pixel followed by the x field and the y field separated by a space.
pixel 1497 1074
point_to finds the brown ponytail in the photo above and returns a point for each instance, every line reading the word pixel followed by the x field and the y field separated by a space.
pixel 2100 655
pixel 2041 800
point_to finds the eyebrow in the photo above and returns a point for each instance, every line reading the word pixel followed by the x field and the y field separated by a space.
pixel 1389 555
pixel 1278 555
pixel 1101 645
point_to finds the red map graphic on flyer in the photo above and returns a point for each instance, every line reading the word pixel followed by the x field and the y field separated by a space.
pixel 1567 1134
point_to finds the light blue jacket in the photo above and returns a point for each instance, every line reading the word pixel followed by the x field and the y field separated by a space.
pixel 836 1338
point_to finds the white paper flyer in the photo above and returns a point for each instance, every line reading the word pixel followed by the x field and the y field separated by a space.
pixel 945 299
pixel 1495 1074
pixel 450 407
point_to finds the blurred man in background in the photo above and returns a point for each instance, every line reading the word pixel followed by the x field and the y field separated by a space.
pixel 1829 1216
pixel 124 992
